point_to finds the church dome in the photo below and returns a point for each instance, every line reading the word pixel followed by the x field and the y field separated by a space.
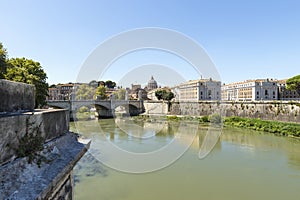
pixel 152 84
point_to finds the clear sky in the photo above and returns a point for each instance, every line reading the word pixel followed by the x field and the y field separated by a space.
pixel 245 39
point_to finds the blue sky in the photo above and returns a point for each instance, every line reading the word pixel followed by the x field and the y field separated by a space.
pixel 245 39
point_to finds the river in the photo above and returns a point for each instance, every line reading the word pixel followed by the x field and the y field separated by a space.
pixel 244 165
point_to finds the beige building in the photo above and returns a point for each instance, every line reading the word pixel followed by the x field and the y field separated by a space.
pixel 250 90
pixel 195 90
pixel 61 92
pixel 285 94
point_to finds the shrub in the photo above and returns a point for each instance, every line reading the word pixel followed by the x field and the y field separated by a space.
pixel 215 118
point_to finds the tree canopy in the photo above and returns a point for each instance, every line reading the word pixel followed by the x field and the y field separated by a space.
pixel 120 94
pixel 101 92
pixel 93 83
pixel 3 57
pixel 294 83
pixel 30 72
pixel 110 84
pixel 84 92
pixel 164 95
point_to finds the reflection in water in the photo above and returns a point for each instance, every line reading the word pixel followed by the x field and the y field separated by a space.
pixel 244 164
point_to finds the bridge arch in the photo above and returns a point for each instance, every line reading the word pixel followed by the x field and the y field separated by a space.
pixel 104 108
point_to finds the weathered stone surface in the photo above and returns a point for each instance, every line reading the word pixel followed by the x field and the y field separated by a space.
pixel 44 129
pixel 53 180
pixel 155 107
pixel 16 96
pixel 48 123
pixel 280 111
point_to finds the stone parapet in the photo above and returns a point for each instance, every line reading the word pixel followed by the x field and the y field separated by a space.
pixel 16 96
pixel 52 180
pixel 48 124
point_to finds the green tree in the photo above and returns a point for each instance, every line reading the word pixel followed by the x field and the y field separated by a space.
pixel 3 59
pixel 110 84
pixel 30 72
pixel 101 92
pixel 294 83
pixel 93 83
pixel 164 95
pixel 120 94
pixel 168 96
pixel 102 83
pixel 84 92
pixel 159 94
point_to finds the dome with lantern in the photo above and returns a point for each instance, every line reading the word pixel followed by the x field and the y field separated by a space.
pixel 152 84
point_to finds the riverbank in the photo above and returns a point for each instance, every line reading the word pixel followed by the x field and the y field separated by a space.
pixel 275 127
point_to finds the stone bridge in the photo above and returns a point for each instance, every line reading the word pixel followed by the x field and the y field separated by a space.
pixel 104 108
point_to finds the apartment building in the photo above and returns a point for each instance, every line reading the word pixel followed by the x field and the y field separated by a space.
pixel 195 90
pixel 250 90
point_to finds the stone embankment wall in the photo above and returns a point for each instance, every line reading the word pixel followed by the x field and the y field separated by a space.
pixel 155 107
pixel 280 111
pixel 42 135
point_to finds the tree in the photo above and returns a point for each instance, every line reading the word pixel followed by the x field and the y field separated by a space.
pixel 3 59
pixel 110 84
pixel 30 72
pixel 101 83
pixel 84 92
pixel 164 95
pixel 120 94
pixel 159 94
pixel 93 83
pixel 101 93
pixel 168 96
pixel 294 84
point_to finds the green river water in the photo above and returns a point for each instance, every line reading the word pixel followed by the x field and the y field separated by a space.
pixel 243 165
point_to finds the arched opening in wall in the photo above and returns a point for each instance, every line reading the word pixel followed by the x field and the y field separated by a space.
pixel 86 112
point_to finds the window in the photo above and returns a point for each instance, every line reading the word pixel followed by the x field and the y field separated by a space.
pixel 266 92
pixel 257 92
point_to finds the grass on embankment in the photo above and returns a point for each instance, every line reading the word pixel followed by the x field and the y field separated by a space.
pixel 275 127
pixel 278 128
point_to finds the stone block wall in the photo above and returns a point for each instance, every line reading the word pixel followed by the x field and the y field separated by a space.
pixel 47 123
pixel 155 107
pixel 49 151
pixel 16 96
pixel 280 111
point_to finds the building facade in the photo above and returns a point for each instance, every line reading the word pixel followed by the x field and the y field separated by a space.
pixel 61 92
pixel 250 90
pixel 197 90
pixel 285 94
